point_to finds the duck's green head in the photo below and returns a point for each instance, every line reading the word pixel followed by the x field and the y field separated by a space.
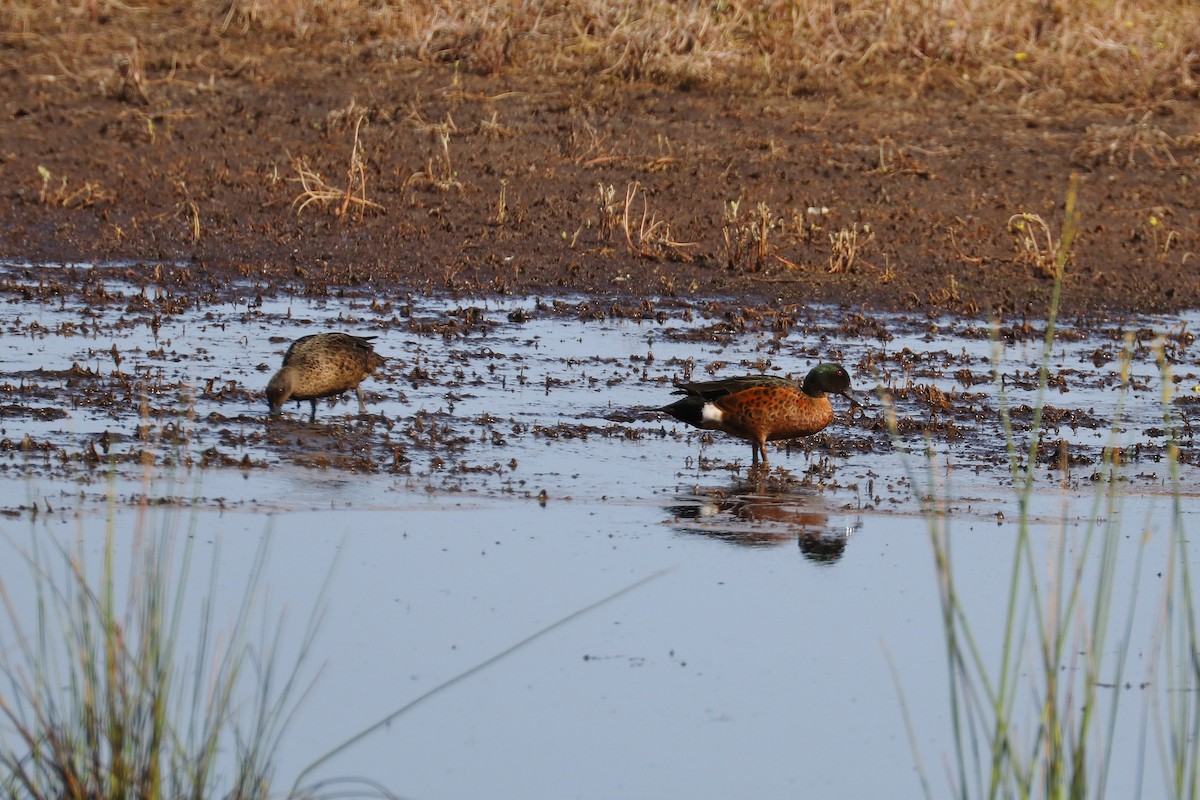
pixel 829 379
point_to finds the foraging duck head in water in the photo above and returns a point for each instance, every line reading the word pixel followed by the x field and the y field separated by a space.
pixel 323 365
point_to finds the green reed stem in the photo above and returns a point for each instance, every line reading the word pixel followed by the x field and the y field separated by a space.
pixel 298 787
pixel 1065 597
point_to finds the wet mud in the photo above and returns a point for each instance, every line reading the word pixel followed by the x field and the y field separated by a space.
pixel 552 397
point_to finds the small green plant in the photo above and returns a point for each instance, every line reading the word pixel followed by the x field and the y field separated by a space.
pixel 1162 241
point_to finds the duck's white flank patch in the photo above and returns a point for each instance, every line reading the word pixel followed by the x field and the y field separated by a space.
pixel 710 414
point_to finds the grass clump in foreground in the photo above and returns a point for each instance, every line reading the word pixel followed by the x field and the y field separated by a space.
pixel 99 703
pixel 1042 720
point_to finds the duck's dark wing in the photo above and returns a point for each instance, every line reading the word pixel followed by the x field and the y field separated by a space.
pixel 351 342
pixel 711 390
pixel 325 345
pixel 298 347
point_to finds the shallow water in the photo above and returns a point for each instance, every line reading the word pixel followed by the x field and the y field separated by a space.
pixel 512 473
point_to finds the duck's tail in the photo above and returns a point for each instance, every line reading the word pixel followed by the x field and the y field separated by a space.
pixel 690 410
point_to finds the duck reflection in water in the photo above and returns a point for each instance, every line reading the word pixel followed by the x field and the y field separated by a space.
pixel 756 520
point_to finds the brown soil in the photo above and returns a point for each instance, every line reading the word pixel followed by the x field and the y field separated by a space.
pixel 199 165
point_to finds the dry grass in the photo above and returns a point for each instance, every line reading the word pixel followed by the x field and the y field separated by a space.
pixel 439 172
pixel 846 247
pixel 1145 51
pixel 1122 145
pixel 128 80
pixel 315 191
pixel 609 208
pixel 746 237
pixel 1035 244
pixel 585 145
pixel 493 128
pixel 57 190
pixel 647 235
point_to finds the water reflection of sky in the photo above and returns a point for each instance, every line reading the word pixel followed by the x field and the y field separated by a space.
pixel 753 667
pixel 741 671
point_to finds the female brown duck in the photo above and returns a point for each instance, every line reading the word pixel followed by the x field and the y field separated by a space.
pixel 323 365
pixel 762 408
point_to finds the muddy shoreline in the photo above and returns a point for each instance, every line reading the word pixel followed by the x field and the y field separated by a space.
pixel 105 370
pixel 515 183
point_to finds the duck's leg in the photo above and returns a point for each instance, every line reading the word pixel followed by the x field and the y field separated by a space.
pixel 313 418
pixel 760 447
pixel 362 406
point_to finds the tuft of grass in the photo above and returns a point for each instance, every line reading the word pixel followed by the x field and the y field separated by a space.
pixel 746 237
pixel 502 211
pixel 439 172
pixel 1121 145
pixel 585 144
pixel 1036 246
pixel 127 82
pixel 609 208
pixel 59 193
pixel 647 235
pixel 100 700
pixel 494 129
pixel 846 247
pixel 317 191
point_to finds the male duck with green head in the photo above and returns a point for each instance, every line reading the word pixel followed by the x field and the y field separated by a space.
pixel 763 408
